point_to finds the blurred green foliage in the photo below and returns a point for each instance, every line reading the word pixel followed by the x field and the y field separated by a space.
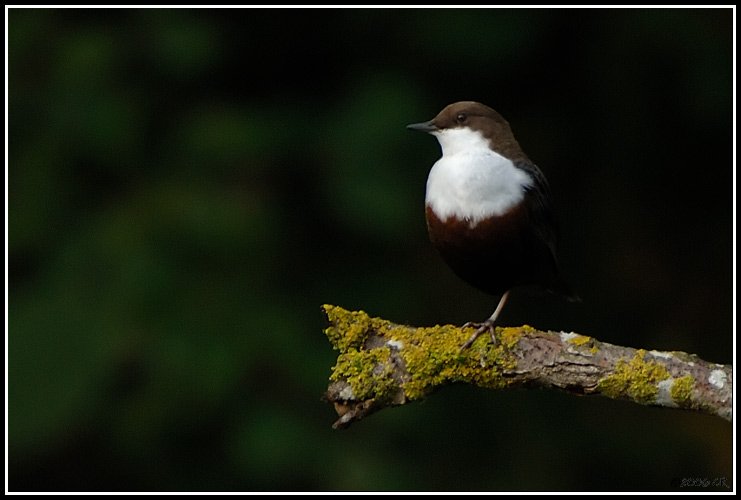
pixel 187 186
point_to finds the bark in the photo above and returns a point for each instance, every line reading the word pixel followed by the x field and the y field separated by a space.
pixel 383 364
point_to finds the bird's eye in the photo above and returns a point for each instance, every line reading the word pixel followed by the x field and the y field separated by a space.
pixel 461 117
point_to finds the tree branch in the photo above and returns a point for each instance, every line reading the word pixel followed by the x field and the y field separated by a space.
pixel 383 364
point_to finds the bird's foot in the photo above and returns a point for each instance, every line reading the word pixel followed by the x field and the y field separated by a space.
pixel 487 325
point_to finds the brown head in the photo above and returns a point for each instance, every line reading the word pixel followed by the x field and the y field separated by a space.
pixel 479 117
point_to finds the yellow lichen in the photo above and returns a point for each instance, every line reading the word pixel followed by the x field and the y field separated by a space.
pixel 510 336
pixel 432 355
pixel 579 340
pixel 681 390
pixel 368 373
pixel 636 379
pixel 348 328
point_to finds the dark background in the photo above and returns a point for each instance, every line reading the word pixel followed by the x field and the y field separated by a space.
pixel 187 187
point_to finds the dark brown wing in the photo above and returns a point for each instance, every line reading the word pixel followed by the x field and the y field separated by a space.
pixel 545 231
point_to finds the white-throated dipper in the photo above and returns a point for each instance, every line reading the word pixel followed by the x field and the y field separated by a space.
pixel 488 207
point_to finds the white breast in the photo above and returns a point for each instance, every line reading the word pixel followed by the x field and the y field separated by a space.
pixel 470 181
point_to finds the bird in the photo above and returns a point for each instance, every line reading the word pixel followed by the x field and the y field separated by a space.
pixel 488 208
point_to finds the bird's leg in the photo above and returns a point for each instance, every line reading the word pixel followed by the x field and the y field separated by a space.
pixel 487 325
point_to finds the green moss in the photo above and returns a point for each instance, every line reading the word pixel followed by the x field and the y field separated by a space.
pixel 681 390
pixel 636 379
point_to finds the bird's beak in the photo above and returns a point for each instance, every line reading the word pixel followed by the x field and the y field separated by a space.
pixel 428 127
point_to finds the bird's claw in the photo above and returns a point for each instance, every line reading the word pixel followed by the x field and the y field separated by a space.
pixel 480 328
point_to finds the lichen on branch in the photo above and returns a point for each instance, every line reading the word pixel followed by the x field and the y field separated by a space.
pixel 383 364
